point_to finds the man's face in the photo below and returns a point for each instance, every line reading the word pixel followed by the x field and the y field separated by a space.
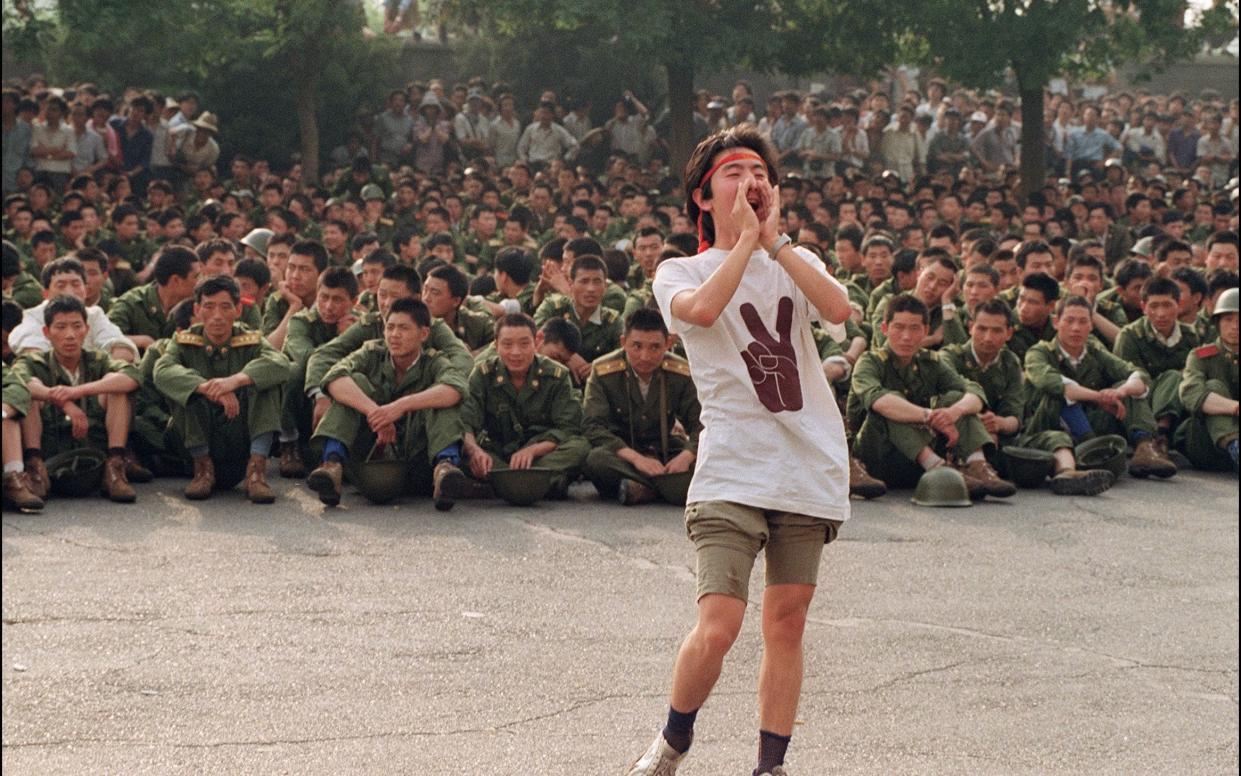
pixel 1098 221
pixel 1085 281
pixel 878 263
pixel 240 170
pixel 217 312
pixel 646 251
pixel 388 292
pixel 1141 212
pixel 74 230
pixel 645 351
pixel 990 333
pixel 1039 262
pixel 332 304
pixel 438 297
pixel 301 275
pixel 128 228
pixel 96 276
pixel 173 230
pixel 905 333
pixel 1174 259
pixel 1175 229
pixel 68 284
pixel 516 346
pixel 333 237
pixel 181 288
pixel 1073 326
pixel 1033 308
pixel 219 263
pixel 1162 311
pixel 486 224
pixel 978 289
pixel 1190 302
pixel 1227 324
pixel 249 289
pixel 403 336
pixel 66 334
pixel 587 289
pixel 1222 255
pixel 728 179
pixel 933 282
pixel 514 234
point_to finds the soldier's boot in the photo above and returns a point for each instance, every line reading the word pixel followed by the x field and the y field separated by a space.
pixel 861 483
pixel 326 480
pixel 632 492
pixel 257 489
pixel 115 484
pixel 37 477
pixel 17 493
pixel 135 471
pixel 291 466
pixel 1082 483
pixel 203 482
pixel 1150 461
pixel 983 481
pixel 448 485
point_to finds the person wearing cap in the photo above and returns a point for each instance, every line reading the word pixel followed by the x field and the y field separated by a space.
pixel 470 126
pixel 197 148
pixel 432 133
pixel 1210 391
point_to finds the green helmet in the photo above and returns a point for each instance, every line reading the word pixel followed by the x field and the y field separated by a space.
pixel 522 487
pixel 372 191
pixel 1105 452
pixel 1228 302
pixel 673 488
pixel 942 486
pixel 1027 467
pixel 76 473
pixel 258 239
pixel 380 481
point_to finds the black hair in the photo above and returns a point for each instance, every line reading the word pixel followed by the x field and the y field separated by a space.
pixel 1087 261
pixel 558 331
pixel 339 277
pixel 589 263
pixel 744 136
pixel 1158 286
pixel 10 315
pixel 173 261
pixel 985 269
pixel 59 266
pixel 1222 238
pixel 254 269
pixel 1220 280
pixel 995 306
pixel 209 248
pixel 458 283
pixel 517 320
pixel 362 239
pixel 314 249
pixel 582 246
pixel 380 256
pixel 906 303
pixel 215 284
pixel 904 262
pixel 93 256
pixel 516 263
pixel 405 274
pixel 1031 247
pixel 1044 284
pixel 646 319
pixel 415 308
pixel 63 305
pixel 1073 301
pixel 1130 270
pixel 687 244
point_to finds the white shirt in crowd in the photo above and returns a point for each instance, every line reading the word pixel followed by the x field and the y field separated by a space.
pixel 63 137
pixel 773 437
pixel 103 334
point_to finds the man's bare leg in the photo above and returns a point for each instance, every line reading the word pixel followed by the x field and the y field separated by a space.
pixel 780 677
pixel 701 657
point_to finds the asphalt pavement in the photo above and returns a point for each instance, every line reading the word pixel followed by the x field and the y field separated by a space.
pixel 1041 636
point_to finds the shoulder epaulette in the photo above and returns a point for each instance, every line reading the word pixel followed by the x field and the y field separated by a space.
pixel 431 352
pixel 675 365
pixel 1207 351
pixel 611 366
pixel 608 314
pixel 485 366
pixel 247 339
pixel 189 338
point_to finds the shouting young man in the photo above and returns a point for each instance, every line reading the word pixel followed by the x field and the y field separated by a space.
pixel 743 308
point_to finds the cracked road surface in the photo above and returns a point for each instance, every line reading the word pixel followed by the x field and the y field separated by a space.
pixel 1042 636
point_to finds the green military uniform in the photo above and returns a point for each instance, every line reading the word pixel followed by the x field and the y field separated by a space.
pixel 636 277
pixel 1025 338
pixel 882 291
pixel 189 360
pixel 273 313
pixel 140 311
pixel 1139 344
pixel 1205 326
pixel 306 332
pixel 1203 438
pixel 954 329
pixel 1111 295
pixel 859 290
pixel 525 298
pixel 614 298
pixel 475 329
pixel 152 436
pixel 617 415
pixel 368 302
pixel 26 290
pixel 470 244
pixel 599 336
pixel 547 409
pixel 57 429
pixel 16 394
pixel 1009 295
pixel 137 252
pixel 890 449
pixel 1112 310
pixel 370 327
pixel 420 436
pixel 1046 369
pixel 638 298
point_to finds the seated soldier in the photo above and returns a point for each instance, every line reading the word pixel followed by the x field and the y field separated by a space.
pixel 224 382
pixel 331 315
pixel 1033 257
pixel 78 398
pixel 393 392
pixel 19 285
pixel 398 282
pixel 905 271
pixel 600 326
pixel 878 254
pixel 253 278
pixel 514 292
pixel 1130 278
pixel 1159 344
pixel 1077 384
pixel 219 257
pixel 142 312
pixel 634 398
pixel 154 442
pixel 1194 294
pixel 296 292
pixel 1085 279
pixel 443 291
pixel 522 410
pixel 1209 392
pixel 981 285
pixel 1218 283
pixel 613 294
pixel 19 491
pixel 936 288
pixel 67 277
pixel 373 265
pixel 917 404
pixel 987 362
pixel 1035 305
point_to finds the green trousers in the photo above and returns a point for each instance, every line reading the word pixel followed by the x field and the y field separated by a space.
pixel 890 450
pixel 605 469
pixel 1138 416
pixel 567 460
pixel 1204 438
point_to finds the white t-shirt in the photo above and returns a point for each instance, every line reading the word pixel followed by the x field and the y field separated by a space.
pixel 773 437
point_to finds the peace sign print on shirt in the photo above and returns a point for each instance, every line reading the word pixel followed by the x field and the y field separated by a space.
pixel 772 363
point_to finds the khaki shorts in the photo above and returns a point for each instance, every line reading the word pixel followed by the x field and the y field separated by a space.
pixel 728 537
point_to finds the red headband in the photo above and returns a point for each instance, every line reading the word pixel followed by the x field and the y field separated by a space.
pixel 743 154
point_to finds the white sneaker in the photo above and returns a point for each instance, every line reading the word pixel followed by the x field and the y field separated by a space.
pixel 660 760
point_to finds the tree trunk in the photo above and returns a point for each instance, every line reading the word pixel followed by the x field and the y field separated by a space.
pixel 308 125
pixel 1033 138
pixel 681 104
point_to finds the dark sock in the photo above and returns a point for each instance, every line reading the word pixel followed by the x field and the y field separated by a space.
pixel 117 451
pixel 1233 451
pixel 31 452
pixel 679 732
pixel 771 749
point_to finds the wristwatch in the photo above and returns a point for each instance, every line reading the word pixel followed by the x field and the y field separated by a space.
pixel 781 241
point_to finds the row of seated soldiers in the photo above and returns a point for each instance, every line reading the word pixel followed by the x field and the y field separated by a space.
pixel 173 381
